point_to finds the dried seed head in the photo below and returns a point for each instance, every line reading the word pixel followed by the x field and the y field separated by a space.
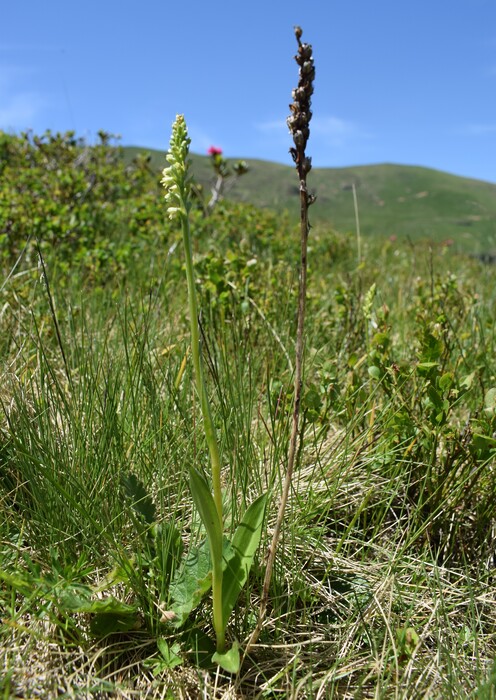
pixel 299 119
pixel 307 68
pixel 301 113
pixel 305 51
pixel 298 139
pixel 299 93
pixel 307 165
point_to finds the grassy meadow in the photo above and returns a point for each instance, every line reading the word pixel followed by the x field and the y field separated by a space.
pixel 383 584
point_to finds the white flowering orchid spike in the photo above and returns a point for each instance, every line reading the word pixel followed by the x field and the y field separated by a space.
pixel 177 186
pixel 175 178
pixel 208 502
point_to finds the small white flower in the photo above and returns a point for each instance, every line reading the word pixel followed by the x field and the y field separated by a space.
pixel 174 212
pixel 175 176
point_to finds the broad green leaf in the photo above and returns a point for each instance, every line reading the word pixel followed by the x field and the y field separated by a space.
pixel 467 381
pixel 380 340
pixel 24 584
pixel 434 396
pixel 446 381
pixel 490 402
pixel 244 545
pixel 374 372
pixel 483 442
pixel 110 606
pixel 140 499
pixel 170 653
pixel 205 505
pixel 426 366
pixel 191 582
pixel 103 624
pixel 229 660
pixel 109 615
pixel 74 598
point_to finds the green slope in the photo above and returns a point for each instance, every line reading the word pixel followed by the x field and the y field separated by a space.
pixel 393 200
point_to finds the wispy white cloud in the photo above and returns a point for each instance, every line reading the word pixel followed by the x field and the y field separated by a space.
pixel 335 131
pixel 18 107
pixel 18 111
pixel 332 130
pixel 274 125
pixel 200 139
pixel 478 129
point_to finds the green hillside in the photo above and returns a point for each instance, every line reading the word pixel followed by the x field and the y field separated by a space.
pixel 399 200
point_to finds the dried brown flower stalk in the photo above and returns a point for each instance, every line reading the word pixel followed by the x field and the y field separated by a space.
pixel 298 123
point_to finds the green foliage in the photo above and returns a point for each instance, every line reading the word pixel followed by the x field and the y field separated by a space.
pixel 60 593
pixel 407 203
pixel 72 197
pixel 382 579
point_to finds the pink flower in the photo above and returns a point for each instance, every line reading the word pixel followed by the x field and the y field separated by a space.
pixel 214 151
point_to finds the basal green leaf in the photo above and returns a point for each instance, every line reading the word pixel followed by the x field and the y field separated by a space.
pixel 140 499
pixel 109 615
pixel 110 606
pixel 22 583
pixel 205 505
pixel 191 582
pixel 74 598
pixel 244 545
pixel 103 624
pixel 229 660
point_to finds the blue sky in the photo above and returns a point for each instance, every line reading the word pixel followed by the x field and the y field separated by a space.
pixel 401 82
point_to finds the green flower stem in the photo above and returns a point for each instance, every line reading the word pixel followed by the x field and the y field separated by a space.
pixel 198 369
pixel 220 631
pixel 209 432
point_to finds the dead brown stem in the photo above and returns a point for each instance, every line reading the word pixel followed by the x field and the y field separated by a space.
pixel 298 123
